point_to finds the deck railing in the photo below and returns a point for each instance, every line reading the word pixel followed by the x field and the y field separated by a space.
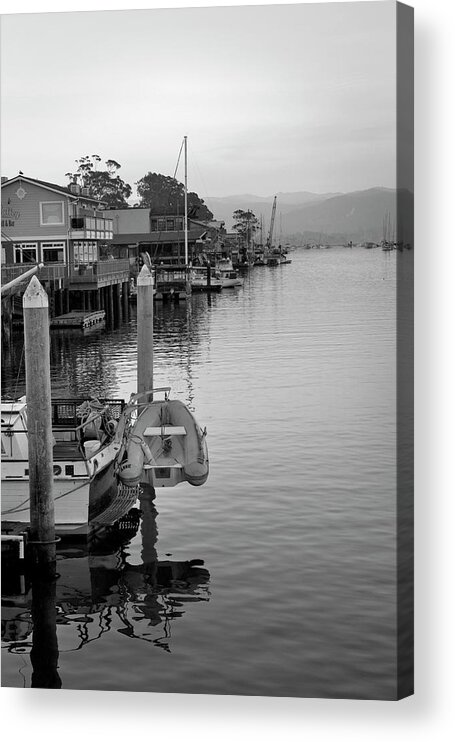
pixel 48 272
pixel 103 270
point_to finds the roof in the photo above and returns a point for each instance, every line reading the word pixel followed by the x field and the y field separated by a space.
pixel 51 186
pixel 161 237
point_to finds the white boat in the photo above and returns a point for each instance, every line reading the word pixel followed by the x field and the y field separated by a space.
pixel 276 257
pixel 259 256
pixel 229 276
pixel 163 444
pixel 88 437
pixel 200 281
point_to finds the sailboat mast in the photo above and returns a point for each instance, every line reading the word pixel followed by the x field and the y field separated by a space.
pixel 186 199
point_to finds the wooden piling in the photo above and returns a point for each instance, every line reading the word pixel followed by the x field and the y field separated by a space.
pixel 118 302
pixel 39 420
pixel 145 330
pixel 125 299
pixel 44 652
pixel 110 294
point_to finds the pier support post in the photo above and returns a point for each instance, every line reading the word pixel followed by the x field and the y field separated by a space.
pixel 145 330
pixel 97 300
pixel 125 299
pixel 118 302
pixel 39 420
pixel 110 295
pixel 58 302
pixel 89 301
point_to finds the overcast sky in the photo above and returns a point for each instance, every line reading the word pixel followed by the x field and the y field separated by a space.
pixel 272 98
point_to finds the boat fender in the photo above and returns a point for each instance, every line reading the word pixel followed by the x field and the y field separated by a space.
pixel 129 474
pixel 132 469
pixel 196 473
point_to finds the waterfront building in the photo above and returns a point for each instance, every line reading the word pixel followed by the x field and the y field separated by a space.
pixel 137 230
pixel 65 229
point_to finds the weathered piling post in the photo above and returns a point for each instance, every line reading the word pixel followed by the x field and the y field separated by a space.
pixel 118 303
pixel 44 652
pixel 125 299
pixel 145 331
pixel 110 294
pixel 209 276
pixel 39 420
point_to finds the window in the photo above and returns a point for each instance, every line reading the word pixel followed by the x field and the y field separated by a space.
pixel 53 252
pixel 170 225
pixel 85 253
pixel 26 252
pixel 51 212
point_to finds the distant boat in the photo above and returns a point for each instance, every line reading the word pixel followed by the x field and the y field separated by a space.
pixel 228 276
pixel 163 444
pixel 200 281
pixel 277 257
pixel 259 256
pixel 87 438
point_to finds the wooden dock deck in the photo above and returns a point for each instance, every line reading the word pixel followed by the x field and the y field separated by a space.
pixel 79 319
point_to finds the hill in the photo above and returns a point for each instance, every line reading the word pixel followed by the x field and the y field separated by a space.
pixel 223 207
pixel 357 216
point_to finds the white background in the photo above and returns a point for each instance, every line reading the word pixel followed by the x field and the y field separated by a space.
pixel 70 715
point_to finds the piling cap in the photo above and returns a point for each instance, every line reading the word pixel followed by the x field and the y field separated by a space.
pixel 35 296
pixel 145 277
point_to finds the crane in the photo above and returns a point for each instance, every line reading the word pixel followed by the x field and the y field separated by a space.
pixel 272 222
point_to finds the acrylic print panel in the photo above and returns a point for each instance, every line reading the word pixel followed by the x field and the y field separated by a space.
pixel 233 187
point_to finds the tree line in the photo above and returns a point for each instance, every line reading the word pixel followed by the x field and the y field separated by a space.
pixel 161 194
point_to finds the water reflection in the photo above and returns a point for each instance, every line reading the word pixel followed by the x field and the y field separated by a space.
pixel 97 591
pixel 99 361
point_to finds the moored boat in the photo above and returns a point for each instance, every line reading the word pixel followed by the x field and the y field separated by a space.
pixel 87 438
pixel 163 444
pixel 201 281
pixel 229 277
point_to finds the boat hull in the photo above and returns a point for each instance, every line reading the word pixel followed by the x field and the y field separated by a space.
pixel 165 447
pixel 71 503
pixel 72 494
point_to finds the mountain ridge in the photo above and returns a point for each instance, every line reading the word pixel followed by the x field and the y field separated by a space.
pixel 357 215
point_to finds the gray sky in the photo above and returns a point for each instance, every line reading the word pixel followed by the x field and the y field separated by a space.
pixel 272 98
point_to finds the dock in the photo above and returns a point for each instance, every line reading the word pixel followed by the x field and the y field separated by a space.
pixel 79 319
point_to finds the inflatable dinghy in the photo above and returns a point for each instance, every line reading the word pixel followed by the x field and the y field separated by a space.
pixel 163 445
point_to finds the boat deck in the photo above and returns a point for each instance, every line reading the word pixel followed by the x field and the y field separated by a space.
pixel 64 450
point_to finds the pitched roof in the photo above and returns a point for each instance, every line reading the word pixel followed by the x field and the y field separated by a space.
pixel 52 186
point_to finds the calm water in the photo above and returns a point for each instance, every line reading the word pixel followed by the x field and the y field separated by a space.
pixel 278 576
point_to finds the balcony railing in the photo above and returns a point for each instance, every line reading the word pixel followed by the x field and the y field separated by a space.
pixel 49 272
pixel 103 271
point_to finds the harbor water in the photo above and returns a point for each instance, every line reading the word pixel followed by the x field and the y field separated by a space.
pixel 277 577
